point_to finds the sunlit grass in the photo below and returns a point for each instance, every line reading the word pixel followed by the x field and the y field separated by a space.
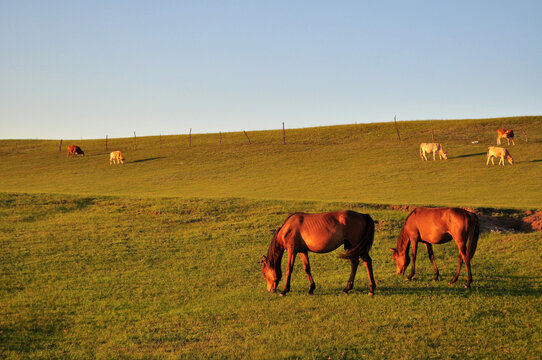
pixel 110 277
pixel 159 258
pixel 364 163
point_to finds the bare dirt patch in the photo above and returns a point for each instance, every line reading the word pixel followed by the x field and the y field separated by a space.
pixel 498 220
pixel 532 222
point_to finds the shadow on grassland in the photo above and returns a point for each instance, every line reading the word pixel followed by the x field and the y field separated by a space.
pixel 492 286
pixel 469 155
pixel 148 159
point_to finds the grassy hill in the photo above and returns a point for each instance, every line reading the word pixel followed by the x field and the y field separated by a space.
pixel 158 258
pixel 362 163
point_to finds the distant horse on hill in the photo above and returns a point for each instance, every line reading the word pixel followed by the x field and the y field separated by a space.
pixel 319 233
pixel 437 226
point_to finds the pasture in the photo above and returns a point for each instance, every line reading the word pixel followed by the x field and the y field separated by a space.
pixel 158 258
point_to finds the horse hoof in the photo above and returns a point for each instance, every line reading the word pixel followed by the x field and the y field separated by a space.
pixel 282 294
pixel 371 293
pixel 345 292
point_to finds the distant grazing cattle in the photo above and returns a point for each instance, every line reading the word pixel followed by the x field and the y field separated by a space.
pixel 432 148
pixel 75 150
pixel 116 157
pixel 499 152
pixel 505 133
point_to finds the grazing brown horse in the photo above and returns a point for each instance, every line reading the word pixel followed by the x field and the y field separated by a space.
pixel 319 233
pixel 437 226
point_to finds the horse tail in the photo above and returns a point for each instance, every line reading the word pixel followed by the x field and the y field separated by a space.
pixel 365 242
pixel 474 232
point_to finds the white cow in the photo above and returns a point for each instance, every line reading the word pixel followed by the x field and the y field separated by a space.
pixel 115 157
pixel 498 152
pixel 432 148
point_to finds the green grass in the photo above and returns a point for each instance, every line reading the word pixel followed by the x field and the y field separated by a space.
pixel 363 163
pixel 111 277
pixel 159 258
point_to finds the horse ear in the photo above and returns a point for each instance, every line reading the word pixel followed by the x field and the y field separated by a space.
pixel 393 250
pixel 263 260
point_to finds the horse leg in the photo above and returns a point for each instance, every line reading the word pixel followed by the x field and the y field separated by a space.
pixel 353 269
pixel 307 266
pixel 414 250
pixel 434 155
pixel 369 265
pixel 289 269
pixel 466 260
pixel 459 262
pixel 429 248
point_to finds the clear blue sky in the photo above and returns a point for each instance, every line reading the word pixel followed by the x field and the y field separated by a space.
pixel 84 69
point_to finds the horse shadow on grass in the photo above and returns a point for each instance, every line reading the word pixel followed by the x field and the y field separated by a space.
pixel 516 286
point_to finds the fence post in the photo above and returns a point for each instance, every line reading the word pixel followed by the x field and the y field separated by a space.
pixel 135 141
pixel 190 138
pixel 247 136
pixel 60 146
pixel 283 134
pixel 396 128
pixel 106 148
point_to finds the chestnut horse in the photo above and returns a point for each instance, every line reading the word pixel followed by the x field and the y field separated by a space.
pixel 319 233
pixel 437 226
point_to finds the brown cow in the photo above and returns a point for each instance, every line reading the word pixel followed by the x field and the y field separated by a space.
pixel 115 157
pixel 75 150
pixel 499 152
pixel 505 133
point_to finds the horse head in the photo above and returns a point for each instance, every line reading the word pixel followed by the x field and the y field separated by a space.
pixel 402 260
pixel 271 273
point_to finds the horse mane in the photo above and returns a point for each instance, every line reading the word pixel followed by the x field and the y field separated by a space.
pixel 403 242
pixel 275 250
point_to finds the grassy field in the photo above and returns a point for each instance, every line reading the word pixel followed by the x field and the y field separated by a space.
pixel 363 163
pixel 159 258
pixel 109 277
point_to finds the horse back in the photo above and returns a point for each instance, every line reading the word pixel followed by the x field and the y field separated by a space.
pixel 439 225
pixel 323 232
